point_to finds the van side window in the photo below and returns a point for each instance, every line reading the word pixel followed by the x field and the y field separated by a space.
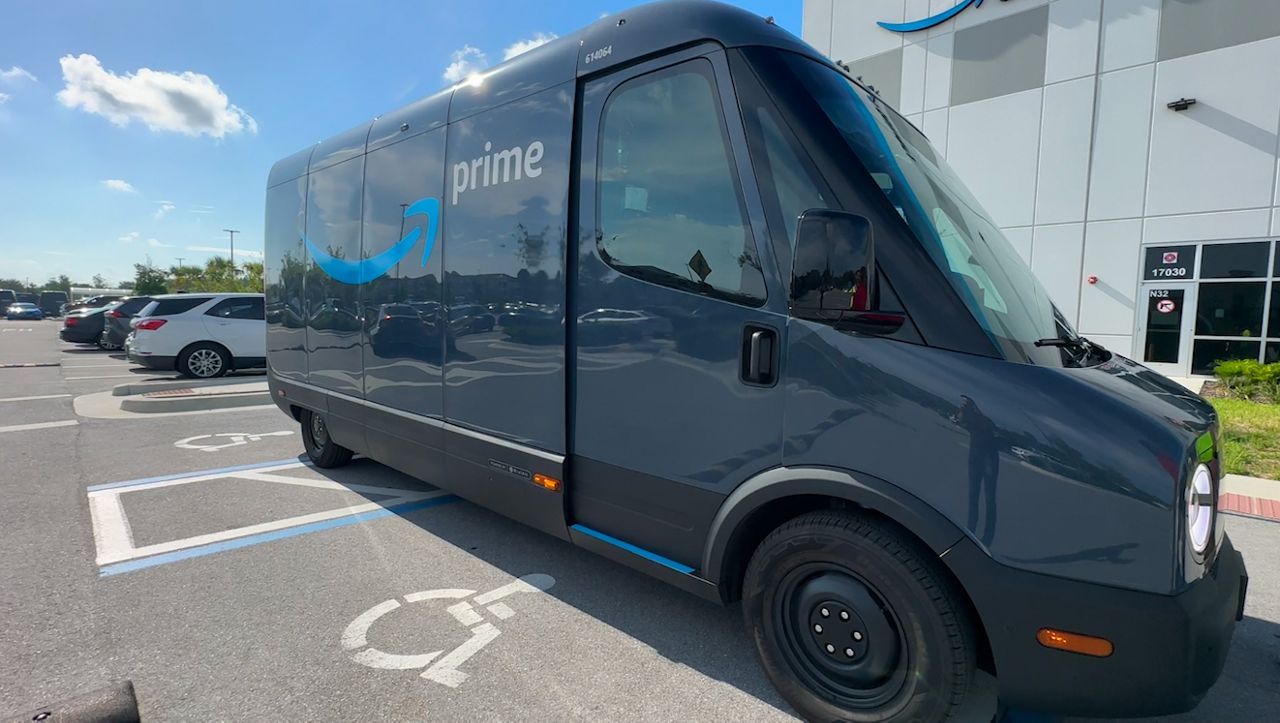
pixel 670 208
pixel 794 188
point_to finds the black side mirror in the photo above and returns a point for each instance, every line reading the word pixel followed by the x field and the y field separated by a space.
pixel 833 273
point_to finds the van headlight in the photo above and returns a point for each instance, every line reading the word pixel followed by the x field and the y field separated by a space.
pixel 1200 509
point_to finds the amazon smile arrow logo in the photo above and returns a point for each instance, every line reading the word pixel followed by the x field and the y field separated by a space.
pixel 932 20
pixel 366 270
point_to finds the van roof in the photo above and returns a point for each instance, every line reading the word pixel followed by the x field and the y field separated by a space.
pixel 629 35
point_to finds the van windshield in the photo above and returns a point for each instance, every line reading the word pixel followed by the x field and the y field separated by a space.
pixel 959 235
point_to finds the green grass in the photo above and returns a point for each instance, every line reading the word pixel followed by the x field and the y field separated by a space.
pixel 1250 437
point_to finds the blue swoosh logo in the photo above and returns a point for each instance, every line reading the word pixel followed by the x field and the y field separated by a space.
pixel 366 270
pixel 932 20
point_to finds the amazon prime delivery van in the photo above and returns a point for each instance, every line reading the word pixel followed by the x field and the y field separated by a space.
pixel 676 289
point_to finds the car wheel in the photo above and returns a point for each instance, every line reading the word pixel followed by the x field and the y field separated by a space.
pixel 854 620
pixel 204 361
pixel 321 448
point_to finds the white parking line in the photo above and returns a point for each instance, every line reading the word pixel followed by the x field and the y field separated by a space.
pixel 32 399
pixel 121 365
pixel 113 376
pixel 41 425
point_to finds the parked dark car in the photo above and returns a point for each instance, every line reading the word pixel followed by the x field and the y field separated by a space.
pixel 25 298
pixel 7 297
pixel 93 302
pixel 116 323
pixel 83 326
pixel 51 302
pixel 22 310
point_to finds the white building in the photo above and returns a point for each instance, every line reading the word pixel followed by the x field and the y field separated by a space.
pixel 1153 228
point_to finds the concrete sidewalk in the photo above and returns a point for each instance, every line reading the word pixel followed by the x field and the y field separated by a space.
pixel 1252 496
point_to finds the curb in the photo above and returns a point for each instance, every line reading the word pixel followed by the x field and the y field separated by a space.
pixel 195 402
pixel 130 388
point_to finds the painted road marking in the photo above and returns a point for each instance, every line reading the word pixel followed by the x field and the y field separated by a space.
pixel 441 670
pixel 112 376
pixel 97 366
pixel 233 439
pixel 32 399
pixel 181 475
pixel 38 425
pixel 25 365
pixel 116 552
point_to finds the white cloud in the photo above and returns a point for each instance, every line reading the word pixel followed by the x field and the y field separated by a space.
pixel 165 208
pixel 223 250
pixel 4 98
pixel 157 244
pixel 189 103
pixel 465 61
pixel 129 237
pixel 115 184
pixel 17 73
pixel 524 46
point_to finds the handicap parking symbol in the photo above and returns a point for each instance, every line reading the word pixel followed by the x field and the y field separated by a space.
pixel 443 670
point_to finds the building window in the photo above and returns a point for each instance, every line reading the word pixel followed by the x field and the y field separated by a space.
pixel 1235 261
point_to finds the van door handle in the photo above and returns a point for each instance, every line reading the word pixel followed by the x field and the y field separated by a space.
pixel 758 353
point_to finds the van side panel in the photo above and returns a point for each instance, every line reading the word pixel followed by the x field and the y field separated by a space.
pixel 403 316
pixel 332 309
pixel 285 267
pixel 506 201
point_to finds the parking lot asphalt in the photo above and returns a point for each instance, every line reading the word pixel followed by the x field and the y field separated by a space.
pixel 198 557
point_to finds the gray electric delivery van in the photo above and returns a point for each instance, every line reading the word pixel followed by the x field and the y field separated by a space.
pixel 678 290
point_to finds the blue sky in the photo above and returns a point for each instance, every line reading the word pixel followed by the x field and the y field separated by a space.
pixel 99 167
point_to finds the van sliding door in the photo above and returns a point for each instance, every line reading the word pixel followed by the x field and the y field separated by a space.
pixel 678 318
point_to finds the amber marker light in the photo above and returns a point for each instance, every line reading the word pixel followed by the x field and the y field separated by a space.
pixel 545 482
pixel 1075 643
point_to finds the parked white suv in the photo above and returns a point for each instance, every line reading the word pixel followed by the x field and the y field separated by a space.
pixel 200 335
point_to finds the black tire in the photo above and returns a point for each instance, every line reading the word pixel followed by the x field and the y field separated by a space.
pixel 906 651
pixel 204 361
pixel 321 448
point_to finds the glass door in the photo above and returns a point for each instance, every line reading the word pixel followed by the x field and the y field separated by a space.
pixel 1165 327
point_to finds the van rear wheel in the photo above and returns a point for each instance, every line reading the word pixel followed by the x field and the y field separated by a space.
pixel 853 619
pixel 321 448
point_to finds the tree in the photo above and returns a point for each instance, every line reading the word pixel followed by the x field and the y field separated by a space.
pixel 99 282
pixel 149 280
pixel 58 283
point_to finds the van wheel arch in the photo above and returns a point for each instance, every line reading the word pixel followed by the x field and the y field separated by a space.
pixel 766 501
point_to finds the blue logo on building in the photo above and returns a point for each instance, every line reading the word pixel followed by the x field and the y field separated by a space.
pixel 932 20
pixel 366 270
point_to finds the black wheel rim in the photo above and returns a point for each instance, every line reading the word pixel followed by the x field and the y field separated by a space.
pixel 319 433
pixel 840 636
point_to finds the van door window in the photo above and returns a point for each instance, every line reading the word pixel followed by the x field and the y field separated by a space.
pixel 670 207
pixel 794 189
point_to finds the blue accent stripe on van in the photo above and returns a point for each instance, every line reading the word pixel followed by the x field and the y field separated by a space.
pixel 250 540
pixel 651 556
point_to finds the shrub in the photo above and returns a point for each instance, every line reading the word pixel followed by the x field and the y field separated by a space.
pixel 1247 379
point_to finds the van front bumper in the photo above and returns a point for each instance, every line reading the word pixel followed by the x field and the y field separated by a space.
pixel 1169 649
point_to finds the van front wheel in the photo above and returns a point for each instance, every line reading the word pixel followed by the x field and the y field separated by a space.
pixel 852 619
pixel 321 448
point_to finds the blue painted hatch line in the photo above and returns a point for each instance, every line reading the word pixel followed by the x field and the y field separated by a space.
pixel 363 271
pixel 201 473
pixel 932 20
pixel 249 540
pixel 651 556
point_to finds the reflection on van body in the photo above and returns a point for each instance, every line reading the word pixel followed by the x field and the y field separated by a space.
pixel 676 289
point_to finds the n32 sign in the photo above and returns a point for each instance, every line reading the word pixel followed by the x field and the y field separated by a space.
pixel 1169 263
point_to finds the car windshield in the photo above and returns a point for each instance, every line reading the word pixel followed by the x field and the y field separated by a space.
pixel 988 273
